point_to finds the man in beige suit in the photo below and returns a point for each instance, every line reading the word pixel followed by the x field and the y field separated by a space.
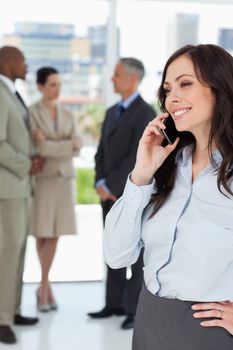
pixel 15 167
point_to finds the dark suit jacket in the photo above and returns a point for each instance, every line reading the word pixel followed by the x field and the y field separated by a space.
pixel 116 154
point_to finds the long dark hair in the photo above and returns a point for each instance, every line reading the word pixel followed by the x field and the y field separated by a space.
pixel 213 67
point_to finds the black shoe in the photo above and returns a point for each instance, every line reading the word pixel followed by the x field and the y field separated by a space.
pixel 107 312
pixel 25 321
pixel 7 336
pixel 128 322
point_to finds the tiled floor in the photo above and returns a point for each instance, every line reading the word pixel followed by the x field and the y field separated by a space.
pixel 70 328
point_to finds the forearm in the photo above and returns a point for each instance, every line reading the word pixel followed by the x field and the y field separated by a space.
pixel 122 235
pixel 55 149
pixel 140 177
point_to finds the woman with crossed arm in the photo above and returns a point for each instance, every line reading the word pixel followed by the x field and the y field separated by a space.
pixel 56 138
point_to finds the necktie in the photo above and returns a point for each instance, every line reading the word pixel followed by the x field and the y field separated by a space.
pixel 26 116
pixel 121 110
pixel 20 99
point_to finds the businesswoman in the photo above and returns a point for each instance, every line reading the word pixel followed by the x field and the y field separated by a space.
pixel 55 136
pixel 178 204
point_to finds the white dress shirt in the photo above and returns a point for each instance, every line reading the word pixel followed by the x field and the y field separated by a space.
pixel 188 242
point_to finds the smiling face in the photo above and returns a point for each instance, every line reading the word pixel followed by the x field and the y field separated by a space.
pixel 189 101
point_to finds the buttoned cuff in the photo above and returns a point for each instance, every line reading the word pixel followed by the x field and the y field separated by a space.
pixel 138 196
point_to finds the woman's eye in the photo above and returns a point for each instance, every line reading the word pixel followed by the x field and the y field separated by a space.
pixel 166 91
pixel 185 83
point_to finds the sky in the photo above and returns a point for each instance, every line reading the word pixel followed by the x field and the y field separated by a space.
pixel 79 12
pixel 136 19
pixel 146 27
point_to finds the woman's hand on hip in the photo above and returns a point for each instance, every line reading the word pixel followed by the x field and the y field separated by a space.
pixel 220 312
pixel 150 154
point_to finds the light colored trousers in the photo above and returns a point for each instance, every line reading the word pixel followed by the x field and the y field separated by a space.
pixel 14 224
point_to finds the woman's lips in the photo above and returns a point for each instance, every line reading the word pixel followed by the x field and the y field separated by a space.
pixel 180 112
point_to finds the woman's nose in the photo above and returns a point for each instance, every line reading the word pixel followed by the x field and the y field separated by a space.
pixel 173 96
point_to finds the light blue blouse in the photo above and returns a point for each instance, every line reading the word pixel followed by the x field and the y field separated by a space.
pixel 188 242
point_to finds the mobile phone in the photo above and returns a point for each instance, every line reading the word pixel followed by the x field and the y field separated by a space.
pixel 170 133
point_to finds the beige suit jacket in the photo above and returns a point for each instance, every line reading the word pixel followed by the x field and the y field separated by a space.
pixel 58 148
pixel 15 160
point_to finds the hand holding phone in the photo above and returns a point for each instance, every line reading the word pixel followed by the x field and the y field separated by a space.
pixel 153 150
pixel 170 133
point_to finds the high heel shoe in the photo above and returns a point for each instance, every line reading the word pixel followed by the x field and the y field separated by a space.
pixel 52 303
pixel 41 307
pixel 53 306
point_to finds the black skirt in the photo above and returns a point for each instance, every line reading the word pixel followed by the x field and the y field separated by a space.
pixel 168 324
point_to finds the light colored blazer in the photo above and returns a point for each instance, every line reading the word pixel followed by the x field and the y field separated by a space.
pixel 57 149
pixel 15 160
